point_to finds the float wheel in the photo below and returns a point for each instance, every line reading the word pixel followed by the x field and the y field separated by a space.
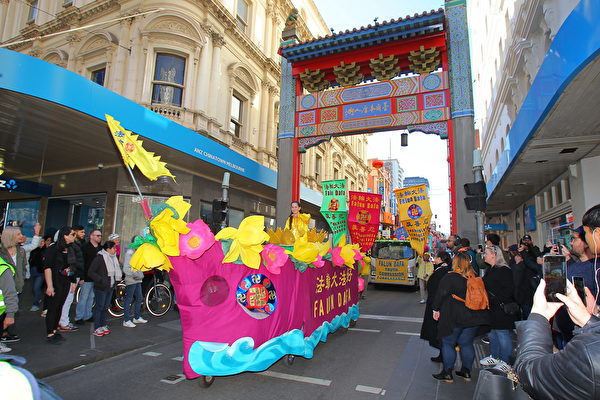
pixel 289 359
pixel 206 380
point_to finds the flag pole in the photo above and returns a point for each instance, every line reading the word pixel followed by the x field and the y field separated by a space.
pixel 143 201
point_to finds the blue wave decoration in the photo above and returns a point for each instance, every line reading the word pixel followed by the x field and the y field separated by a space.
pixel 219 359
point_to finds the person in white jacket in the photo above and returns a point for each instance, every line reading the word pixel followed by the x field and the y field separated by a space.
pixel 133 288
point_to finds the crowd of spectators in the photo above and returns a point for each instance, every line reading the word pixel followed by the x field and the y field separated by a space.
pixel 57 266
pixel 557 343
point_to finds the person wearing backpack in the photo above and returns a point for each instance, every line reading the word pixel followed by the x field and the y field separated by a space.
pixel 500 286
pixel 460 307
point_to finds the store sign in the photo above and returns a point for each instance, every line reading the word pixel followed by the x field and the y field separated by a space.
pixel 495 227
pixel 8 184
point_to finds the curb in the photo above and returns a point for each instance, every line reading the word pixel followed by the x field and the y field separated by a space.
pixel 46 373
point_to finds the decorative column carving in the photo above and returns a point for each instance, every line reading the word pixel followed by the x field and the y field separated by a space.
pixel 264 112
pixel 276 37
pixel 215 76
pixel 72 39
pixel 4 4
pixel 271 139
pixel 204 79
pixel 121 58
pixel 268 37
pixel 135 45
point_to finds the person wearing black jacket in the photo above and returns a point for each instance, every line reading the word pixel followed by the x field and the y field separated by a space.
pixel 59 271
pixel 457 324
pixel 500 287
pixel 36 270
pixel 571 373
pixel 531 275
pixel 442 263
pixel 83 312
pixel 104 272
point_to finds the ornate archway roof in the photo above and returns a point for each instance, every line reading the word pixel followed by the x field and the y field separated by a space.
pixel 423 24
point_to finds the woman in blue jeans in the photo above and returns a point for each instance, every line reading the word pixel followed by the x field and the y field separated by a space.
pixel 457 325
pixel 105 272
pixel 133 288
pixel 501 288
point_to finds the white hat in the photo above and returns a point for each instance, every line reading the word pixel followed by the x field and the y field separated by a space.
pixel 113 236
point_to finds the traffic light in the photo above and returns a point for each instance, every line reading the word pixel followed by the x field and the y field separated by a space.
pixel 219 211
pixel 476 196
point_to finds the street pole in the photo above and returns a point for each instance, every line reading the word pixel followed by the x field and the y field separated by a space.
pixel 225 197
pixel 478 174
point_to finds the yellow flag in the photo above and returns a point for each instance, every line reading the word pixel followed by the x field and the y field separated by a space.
pixel 415 214
pixel 134 154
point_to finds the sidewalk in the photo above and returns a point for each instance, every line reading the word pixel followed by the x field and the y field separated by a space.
pixel 81 347
pixel 412 377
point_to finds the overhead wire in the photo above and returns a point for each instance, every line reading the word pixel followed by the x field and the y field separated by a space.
pixel 84 28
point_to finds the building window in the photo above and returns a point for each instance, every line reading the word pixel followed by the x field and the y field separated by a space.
pixel 235 122
pixel 33 10
pixel 318 166
pixel 242 15
pixel 336 173
pixel 98 76
pixel 167 86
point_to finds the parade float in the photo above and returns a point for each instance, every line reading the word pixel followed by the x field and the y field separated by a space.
pixel 248 297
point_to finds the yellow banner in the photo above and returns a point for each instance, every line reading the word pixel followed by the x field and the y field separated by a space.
pixel 392 271
pixel 134 154
pixel 415 214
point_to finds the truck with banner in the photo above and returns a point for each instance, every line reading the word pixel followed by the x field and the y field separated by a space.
pixel 393 262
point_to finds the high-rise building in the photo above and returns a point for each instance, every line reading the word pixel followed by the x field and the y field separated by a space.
pixel 416 180
pixel 397 177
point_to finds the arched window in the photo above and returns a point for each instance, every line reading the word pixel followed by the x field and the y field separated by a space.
pixel 167 86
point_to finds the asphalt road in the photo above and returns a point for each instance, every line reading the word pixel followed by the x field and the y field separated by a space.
pixel 381 357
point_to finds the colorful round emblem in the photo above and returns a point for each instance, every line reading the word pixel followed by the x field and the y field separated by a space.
pixel 256 294
pixel 431 82
pixel 308 101
pixel 414 211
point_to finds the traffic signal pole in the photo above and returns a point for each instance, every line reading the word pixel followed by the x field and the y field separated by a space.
pixel 478 175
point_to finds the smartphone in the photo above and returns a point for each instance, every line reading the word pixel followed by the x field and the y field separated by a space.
pixel 579 284
pixel 480 247
pixel 555 275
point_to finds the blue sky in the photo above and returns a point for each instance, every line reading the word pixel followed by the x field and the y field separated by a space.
pixel 347 14
pixel 426 154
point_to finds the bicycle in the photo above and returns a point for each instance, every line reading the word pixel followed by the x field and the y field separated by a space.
pixel 158 299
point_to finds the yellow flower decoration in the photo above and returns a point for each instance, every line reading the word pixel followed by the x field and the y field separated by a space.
pixel 322 247
pixel 148 256
pixel 304 251
pixel 247 241
pixel 346 251
pixel 166 229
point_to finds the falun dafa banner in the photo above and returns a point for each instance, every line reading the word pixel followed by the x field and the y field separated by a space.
pixel 415 214
pixel 363 218
pixel 334 208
